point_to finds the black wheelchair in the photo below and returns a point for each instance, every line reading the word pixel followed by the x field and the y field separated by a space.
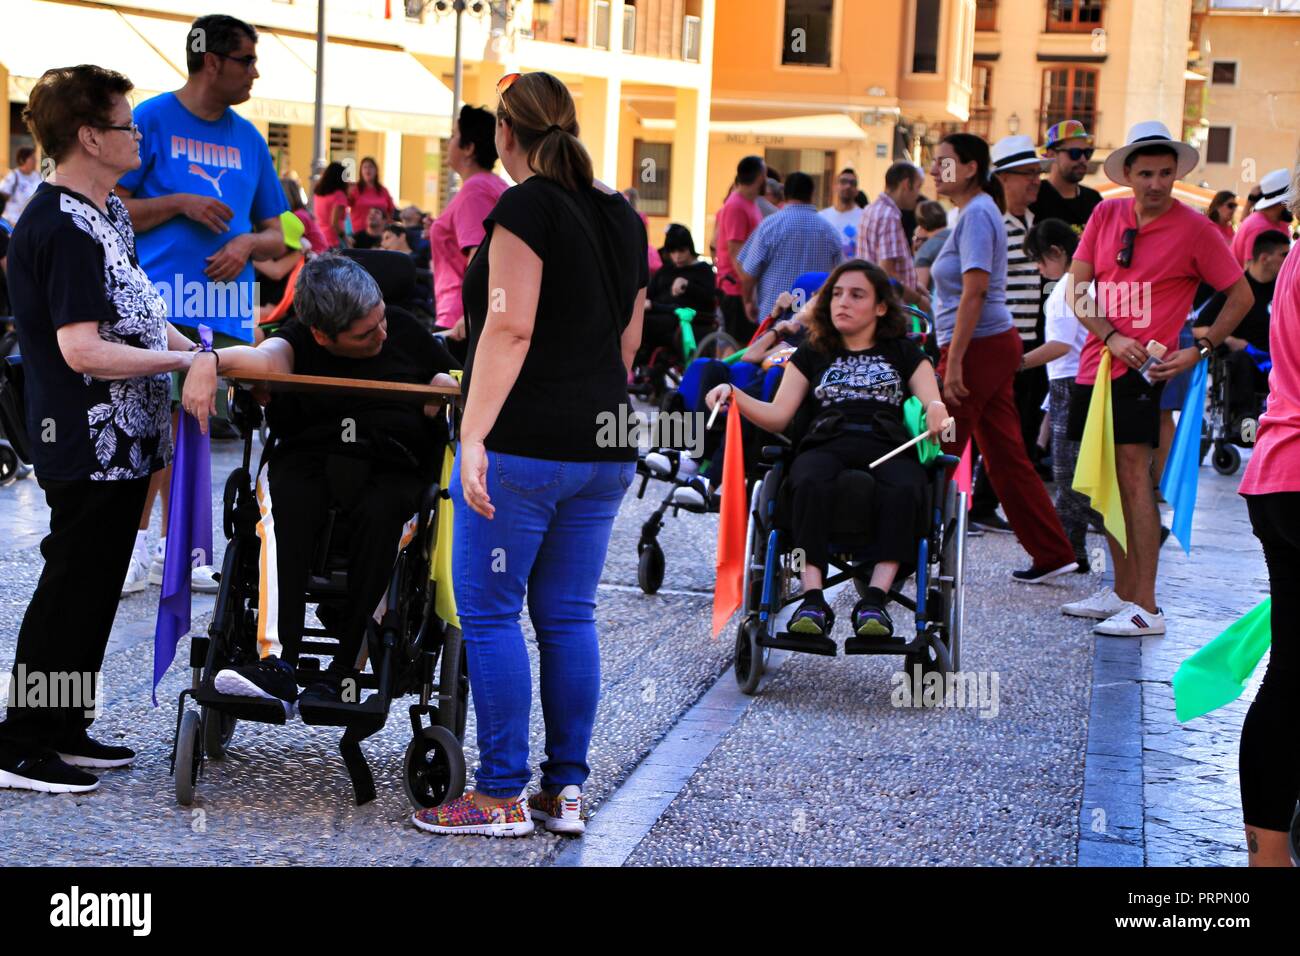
pixel 1221 431
pixel 939 571
pixel 15 451
pixel 409 650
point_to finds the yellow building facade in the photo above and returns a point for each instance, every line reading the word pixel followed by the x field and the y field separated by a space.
pixel 1244 109
pixel 819 85
pixel 640 72
pixel 1108 63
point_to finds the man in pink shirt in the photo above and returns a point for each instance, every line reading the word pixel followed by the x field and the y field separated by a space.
pixel 1270 213
pixel 1146 255
pixel 739 217
pixel 456 234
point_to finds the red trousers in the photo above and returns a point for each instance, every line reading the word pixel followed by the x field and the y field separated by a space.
pixel 988 371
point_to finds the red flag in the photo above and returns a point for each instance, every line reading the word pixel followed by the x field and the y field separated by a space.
pixel 963 476
pixel 732 526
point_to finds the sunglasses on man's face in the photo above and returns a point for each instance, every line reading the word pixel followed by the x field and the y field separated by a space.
pixel 1077 154
pixel 1124 258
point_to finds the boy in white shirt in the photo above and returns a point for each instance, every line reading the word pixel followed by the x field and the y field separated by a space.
pixel 1050 244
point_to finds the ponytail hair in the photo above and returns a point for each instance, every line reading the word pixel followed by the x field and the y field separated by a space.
pixel 540 110
pixel 972 149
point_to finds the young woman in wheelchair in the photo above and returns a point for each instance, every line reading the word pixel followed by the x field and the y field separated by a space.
pixel 850 380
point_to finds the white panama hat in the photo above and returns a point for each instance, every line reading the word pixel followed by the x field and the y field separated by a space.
pixel 1150 133
pixel 1014 152
pixel 1274 188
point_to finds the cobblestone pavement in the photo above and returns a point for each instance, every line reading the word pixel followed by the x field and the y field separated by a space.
pixel 1192 796
pixel 820 767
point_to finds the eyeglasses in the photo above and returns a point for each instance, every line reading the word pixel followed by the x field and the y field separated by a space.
pixel 1232 206
pixel 248 61
pixel 1077 154
pixel 130 128
pixel 1124 258
pixel 506 82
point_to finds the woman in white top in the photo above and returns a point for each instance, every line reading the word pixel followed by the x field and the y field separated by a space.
pixel 1051 244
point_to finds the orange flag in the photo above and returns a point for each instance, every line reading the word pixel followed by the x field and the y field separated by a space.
pixel 732 526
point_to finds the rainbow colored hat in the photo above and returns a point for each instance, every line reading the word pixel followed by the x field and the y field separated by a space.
pixel 1066 129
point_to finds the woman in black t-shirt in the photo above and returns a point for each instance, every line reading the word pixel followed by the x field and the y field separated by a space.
pixel 850 380
pixel 553 299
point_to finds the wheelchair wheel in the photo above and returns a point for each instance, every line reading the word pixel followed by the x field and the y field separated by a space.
pixel 1226 459
pixel 750 658
pixel 8 464
pixel 218 729
pixel 650 568
pixel 434 768
pixel 453 684
pixel 188 756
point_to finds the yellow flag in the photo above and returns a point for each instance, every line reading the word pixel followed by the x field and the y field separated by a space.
pixel 440 572
pixel 1094 474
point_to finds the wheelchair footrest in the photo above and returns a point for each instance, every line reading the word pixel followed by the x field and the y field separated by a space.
pixel 340 714
pixel 802 643
pixel 261 710
pixel 882 645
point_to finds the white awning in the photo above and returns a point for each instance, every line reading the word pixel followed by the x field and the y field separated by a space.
pixel 35 37
pixel 836 127
pixel 379 89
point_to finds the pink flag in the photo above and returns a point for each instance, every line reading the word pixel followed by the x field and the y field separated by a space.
pixel 963 475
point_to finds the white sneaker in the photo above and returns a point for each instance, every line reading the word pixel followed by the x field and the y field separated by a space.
pixel 1132 620
pixel 137 576
pixel 1103 603
pixel 156 563
pixel 687 467
pixel 201 580
pixel 561 813
pixel 658 464
pixel 693 495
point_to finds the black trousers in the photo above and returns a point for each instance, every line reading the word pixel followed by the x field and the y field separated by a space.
pixel 65 631
pixel 898 504
pixel 1244 381
pixel 1268 762
pixel 377 501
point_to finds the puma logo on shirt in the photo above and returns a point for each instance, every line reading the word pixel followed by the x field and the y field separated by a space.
pixel 209 154
pixel 198 170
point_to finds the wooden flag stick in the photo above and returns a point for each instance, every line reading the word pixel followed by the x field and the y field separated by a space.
pixel 902 448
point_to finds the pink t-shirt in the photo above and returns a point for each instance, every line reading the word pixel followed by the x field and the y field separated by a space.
pixel 1172 255
pixel 460 227
pixel 1225 230
pixel 364 200
pixel 736 220
pixel 322 208
pixel 1275 463
pixel 1244 242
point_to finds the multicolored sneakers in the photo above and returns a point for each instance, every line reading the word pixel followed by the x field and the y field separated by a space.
pixel 463 815
pixel 812 617
pixel 560 812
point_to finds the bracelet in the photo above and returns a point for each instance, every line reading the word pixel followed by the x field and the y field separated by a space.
pixel 1209 346
pixel 213 353
pixel 1108 335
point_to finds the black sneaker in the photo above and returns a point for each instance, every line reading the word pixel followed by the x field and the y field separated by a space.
pixel 813 617
pixel 84 751
pixel 1037 575
pixel 46 773
pixel 327 690
pixel 1084 565
pixel 990 522
pixel 270 678
pixel 872 620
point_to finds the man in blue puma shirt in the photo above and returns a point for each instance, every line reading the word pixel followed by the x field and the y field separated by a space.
pixel 205 201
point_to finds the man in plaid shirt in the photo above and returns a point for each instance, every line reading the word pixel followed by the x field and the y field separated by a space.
pixel 881 238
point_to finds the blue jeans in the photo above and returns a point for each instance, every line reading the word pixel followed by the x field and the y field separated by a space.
pixel 549 535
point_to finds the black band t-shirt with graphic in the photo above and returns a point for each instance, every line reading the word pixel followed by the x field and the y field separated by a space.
pixel 860 383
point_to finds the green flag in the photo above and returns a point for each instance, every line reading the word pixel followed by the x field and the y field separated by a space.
pixel 914 417
pixel 1218 673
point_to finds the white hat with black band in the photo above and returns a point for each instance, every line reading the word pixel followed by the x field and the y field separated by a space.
pixel 1014 152
pixel 1274 189
pixel 1150 133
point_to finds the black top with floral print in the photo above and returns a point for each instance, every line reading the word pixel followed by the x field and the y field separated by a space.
pixel 71 262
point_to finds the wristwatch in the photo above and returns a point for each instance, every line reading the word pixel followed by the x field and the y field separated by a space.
pixel 1204 346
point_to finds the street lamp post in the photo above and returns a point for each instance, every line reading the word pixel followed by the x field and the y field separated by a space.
pixel 318 138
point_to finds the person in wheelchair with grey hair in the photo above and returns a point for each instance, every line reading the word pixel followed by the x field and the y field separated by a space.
pixel 369 458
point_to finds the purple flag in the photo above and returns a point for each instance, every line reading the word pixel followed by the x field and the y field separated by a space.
pixel 189 537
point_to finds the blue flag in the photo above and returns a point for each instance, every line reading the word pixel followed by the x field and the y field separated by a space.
pixel 189 537
pixel 1182 467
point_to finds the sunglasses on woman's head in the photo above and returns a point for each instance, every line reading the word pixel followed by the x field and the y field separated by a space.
pixel 506 82
pixel 1124 258
pixel 1077 154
